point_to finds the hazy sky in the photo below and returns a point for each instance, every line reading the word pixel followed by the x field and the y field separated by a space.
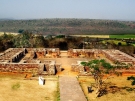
pixel 92 9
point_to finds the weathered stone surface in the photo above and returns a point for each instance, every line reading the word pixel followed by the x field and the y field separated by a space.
pixel 70 89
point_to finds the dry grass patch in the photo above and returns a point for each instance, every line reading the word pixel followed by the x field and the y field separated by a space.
pixel 20 89
pixel 119 89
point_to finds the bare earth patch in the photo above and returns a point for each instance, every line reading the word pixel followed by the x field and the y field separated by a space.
pixel 119 89
pixel 16 88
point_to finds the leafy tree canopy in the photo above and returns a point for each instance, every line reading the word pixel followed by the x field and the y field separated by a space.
pixel 132 78
pixel 98 69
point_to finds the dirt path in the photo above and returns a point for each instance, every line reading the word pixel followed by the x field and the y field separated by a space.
pixel 66 65
pixel 70 89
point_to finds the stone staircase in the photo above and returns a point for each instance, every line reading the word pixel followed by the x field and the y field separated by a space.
pixel 63 54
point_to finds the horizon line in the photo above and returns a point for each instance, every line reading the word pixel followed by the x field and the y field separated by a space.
pixel 62 18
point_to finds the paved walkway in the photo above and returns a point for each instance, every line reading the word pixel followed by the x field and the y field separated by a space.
pixel 70 89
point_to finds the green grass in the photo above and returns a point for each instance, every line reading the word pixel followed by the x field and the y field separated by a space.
pixel 58 92
pixel 122 43
pixel 116 42
pixel 122 36
pixel 133 44
pixel 15 86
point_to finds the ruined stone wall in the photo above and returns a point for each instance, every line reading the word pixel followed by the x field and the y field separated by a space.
pixel 12 55
pixel 118 56
pixel 26 67
pixel 44 52
pixel 17 67
pixel 9 58
pixel 82 53
pixel 77 68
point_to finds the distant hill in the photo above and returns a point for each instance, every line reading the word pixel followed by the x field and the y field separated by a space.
pixel 68 26
pixel 3 19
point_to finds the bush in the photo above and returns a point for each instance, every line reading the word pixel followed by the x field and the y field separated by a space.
pixel 132 78
pixel 16 86
pixel 129 89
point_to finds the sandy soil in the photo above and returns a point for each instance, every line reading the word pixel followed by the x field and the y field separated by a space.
pixel 120 92
pixel 15 87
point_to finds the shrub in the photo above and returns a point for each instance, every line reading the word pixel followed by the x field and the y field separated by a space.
pixel 16 86
pixel 132 78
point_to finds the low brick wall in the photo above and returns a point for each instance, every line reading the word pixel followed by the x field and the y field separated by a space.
pixel 77 68
pixel 27 67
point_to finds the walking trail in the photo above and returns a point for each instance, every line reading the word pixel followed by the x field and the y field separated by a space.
pixel 70 89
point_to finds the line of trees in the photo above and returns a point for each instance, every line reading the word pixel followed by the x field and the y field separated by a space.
pixel 27 39
pixel 24 40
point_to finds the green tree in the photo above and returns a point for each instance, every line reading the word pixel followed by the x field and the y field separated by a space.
pixel 6 41
pixel 132 80
pixel 23 40
pixel 27 39
pixel 98 69
pixel 40 41
pixel 20 31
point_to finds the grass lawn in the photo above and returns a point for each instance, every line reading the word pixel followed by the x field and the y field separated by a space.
pixel 17 88
pixel 121 36
pixel 123 90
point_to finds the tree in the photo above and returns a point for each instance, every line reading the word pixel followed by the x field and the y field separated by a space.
pixel 132 80
pixel 40 42
pixel 23 40
pixel 6 41
pixel 119 43
pixel 98 69
pixel 20 31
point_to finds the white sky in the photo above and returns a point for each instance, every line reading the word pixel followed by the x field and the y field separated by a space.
pixel 92 9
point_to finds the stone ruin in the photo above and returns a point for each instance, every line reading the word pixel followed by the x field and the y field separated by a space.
pixel 28 60
pixel 12 55
pixel 44 52
pixel 40 60
pixel 81 53
pixel 118 56
pixel 111 54
pixel 77 67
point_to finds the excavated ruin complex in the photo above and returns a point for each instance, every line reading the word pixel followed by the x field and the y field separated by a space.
pixel 42 60
pixel 28 60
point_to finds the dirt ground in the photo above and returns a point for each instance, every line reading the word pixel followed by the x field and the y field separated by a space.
pixel 122 91
pixel 15 87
